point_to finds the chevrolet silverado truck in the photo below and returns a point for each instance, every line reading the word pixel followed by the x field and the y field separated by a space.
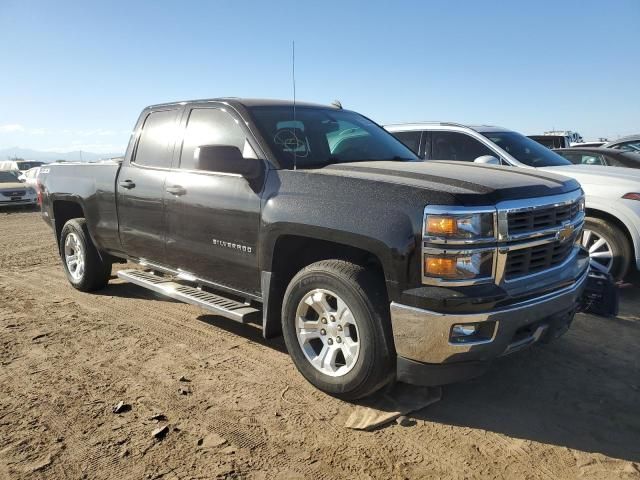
pixel 315 223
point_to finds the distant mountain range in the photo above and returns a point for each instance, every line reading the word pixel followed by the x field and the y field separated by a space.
pixel 30 154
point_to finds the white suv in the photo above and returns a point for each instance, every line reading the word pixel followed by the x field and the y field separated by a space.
pixel 612 227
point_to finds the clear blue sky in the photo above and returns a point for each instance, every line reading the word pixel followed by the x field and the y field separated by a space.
pixel 74 75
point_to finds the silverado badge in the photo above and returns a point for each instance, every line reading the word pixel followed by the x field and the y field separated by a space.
pixel 565 233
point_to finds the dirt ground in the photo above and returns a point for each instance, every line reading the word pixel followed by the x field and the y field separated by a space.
pixel 570 409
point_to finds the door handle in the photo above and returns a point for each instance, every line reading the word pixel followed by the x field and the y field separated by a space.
pixel 128 184
pixel 176 190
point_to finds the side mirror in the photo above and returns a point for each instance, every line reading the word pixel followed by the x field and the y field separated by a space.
pixel 488 159
pixel 225 159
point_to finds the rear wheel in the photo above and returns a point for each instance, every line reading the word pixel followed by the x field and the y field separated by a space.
pixel 82 263
pixel 336 327
pixel 608 247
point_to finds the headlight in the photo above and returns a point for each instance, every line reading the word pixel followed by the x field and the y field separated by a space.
pixel 467 265
pixel 581 204
pixel 464 226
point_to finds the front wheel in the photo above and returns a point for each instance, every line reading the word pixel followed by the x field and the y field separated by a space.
pixel 335 322
pixel 85 268
pixel 608 247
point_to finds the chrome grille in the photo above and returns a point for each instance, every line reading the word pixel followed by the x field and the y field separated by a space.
pixel 529 260
pixel 541 218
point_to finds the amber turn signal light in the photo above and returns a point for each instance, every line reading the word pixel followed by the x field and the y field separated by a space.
pixel 440 225
pixel 440 266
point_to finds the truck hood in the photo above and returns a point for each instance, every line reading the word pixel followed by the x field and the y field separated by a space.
pixel 469 183
pixel 593 177
pixel 13 186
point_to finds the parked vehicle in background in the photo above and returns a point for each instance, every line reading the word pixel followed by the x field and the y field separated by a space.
pixel 630 143
pixel 574 137
pixel 318 224
pixel 552 141
pixel 30 177
pixel 13 192
pixel 609 157
pixel 612 227
pixel 588 144
pixel 20 165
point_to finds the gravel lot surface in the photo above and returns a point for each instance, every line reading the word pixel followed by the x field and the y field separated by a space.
pixel 235 407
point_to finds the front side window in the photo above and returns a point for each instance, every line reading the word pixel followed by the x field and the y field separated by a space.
pixel 410 139
pixel 158 134
pixel 457 146
pixel 212 126
pixel 525 150
pixel 322 136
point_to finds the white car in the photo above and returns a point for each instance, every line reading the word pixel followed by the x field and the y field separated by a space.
pixel 612 227
pixel 13 192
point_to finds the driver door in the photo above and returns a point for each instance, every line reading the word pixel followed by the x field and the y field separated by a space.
pixel 213 218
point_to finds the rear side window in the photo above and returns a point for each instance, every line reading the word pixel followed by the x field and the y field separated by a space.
pixel 410 139
pixel 574 158
pixel 156 140
pixel 457 146
pixel 211 126
pixel 592 159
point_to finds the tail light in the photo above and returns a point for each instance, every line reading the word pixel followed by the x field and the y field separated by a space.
pixel 39 193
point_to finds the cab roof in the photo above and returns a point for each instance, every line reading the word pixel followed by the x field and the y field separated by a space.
pixel 248 102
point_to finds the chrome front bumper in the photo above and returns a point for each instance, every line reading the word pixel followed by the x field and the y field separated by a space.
pixel 424 336
pixel 16 203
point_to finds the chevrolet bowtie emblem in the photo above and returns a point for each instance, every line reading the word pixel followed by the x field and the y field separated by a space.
pixel 565 233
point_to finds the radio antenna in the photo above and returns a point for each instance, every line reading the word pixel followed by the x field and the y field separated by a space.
pixel 293 79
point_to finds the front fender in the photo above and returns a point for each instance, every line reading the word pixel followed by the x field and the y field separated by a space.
pixel 626 211
pixel 383 221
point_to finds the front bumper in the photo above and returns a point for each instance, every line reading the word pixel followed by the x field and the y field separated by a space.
pixel 424 345
pixel 15 203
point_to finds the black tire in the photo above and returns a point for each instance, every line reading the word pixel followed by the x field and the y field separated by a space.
pixel 96 272
pixel 364 292
pixel 621 249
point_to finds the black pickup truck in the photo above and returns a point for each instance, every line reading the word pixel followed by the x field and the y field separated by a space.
pixel 317 224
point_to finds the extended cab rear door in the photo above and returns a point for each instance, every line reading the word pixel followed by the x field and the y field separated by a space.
pixel 141 185
pixel 213 218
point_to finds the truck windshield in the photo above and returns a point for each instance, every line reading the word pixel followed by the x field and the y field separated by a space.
pixel 525 150
pixel 322 136
pixel 8 177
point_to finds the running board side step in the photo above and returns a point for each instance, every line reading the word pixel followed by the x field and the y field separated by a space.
pixel 225 307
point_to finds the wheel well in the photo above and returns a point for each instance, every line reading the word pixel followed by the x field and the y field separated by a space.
pixel 63 211
pixel 291 254
pixel 607 217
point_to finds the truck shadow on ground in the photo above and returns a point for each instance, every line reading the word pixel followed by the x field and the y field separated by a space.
pixel 249 331
pixel 580 392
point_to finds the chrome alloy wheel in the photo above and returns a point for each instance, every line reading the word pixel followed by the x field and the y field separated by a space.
pixel 74 256
pixel 327 333
pixel 600 251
